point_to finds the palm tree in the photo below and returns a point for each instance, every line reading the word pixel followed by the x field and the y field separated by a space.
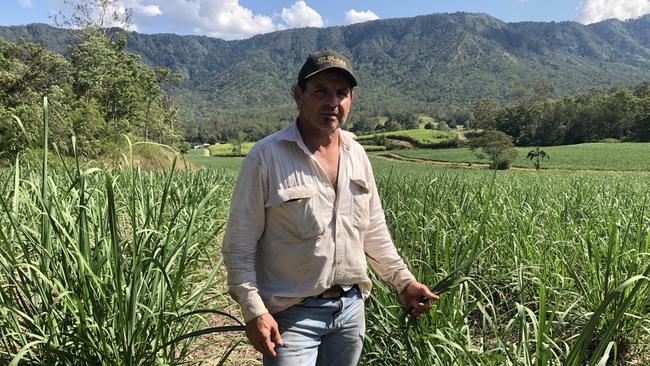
pixel 536 155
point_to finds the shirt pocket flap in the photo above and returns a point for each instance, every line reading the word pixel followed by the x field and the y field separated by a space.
pixel 289 194
pixel 361 184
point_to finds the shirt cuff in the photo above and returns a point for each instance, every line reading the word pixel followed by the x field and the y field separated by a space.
pixel 253 308
pixel 403 280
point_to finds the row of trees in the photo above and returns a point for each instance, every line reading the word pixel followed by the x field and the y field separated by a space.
pixel 620 113
pixel 97 93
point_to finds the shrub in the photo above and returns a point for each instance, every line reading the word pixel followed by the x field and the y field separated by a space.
pixel 398 145
pixel 495 146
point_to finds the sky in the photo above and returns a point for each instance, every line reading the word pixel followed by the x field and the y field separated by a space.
pixel 239 19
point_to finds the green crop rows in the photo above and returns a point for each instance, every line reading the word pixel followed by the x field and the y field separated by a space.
pixel 595 156
pixel 118 267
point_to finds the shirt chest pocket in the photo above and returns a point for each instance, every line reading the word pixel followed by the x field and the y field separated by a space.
pixel 360 214
pixel 296 211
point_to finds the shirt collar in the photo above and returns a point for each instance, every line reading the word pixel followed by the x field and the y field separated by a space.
pixel 292 133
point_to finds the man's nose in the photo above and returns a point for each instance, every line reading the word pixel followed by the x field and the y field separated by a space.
pixel 332 99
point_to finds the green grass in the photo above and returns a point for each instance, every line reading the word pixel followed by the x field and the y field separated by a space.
pixel 557 279
pixel 543 265
pixel 374 148
pixel 419 136
pixel 108 267
pixel 595 156
pixel 229 164
pixel 226 149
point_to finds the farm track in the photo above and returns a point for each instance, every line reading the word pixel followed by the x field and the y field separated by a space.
pixel 459 165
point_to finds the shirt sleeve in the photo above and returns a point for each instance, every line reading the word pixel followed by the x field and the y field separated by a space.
pixel 378 245
pixel 244 229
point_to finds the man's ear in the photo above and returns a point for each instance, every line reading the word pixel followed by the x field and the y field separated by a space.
pixel 297 94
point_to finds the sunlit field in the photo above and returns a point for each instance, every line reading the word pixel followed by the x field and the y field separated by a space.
pixel 544 269
pixel 596 156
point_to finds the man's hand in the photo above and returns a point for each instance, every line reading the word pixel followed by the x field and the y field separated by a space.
pixel 412 298
pixel 263 333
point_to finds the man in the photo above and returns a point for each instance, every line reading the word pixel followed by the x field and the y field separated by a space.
pixel 305 216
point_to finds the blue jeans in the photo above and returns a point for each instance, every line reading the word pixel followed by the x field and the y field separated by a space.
pixel 321 332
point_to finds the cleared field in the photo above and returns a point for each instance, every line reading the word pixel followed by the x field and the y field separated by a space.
pixel 596 156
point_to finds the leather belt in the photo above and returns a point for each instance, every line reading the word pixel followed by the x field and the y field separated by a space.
pixel 334 293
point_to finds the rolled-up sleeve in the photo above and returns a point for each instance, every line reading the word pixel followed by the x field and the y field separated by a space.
pixel 244 229
pixel 379 247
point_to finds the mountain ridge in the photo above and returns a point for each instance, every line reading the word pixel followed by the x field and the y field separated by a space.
pixel 435 64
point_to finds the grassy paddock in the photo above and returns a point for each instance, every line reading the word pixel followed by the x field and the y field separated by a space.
pixel 229 164
pixel 226 149
pixel 595 156
pixel 418 136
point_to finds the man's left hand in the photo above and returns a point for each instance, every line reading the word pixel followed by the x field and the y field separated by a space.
pixel 412 296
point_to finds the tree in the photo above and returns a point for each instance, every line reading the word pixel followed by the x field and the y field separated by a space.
pixel 407 121
pixel 495 146
pixel 364 125
pixel 97 14
pixel 485 114
pixel 237 145
pixel 536 156
pixel 391 126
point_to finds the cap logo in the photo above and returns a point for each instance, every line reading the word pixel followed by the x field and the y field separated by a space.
pixel 333 59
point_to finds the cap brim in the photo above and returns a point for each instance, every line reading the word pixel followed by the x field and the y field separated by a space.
pixel 353 80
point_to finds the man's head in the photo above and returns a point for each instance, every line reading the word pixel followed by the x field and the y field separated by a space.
pixel 324 92
pixel 325 59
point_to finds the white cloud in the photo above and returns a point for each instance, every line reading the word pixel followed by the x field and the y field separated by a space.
pixel 301 15
pixel 352 16
pixel 227 19
pixel 145 10
pixel 25 3
pixel 591 11
pixel 113 12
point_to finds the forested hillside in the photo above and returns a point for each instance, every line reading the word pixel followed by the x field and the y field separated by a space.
pixel 438 64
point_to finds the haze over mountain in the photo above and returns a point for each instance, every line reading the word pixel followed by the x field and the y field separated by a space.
pixel 434 64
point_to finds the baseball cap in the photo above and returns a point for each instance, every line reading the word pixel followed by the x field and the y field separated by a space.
pixel 323 60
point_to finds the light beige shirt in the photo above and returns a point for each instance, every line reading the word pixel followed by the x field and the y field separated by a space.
pixel 291 236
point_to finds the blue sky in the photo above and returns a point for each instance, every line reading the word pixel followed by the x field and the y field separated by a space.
pixel 236 19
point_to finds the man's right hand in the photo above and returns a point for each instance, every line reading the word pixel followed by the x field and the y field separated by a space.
pixel 263 333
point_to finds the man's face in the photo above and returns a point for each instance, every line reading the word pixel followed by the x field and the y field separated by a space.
pixel 324 104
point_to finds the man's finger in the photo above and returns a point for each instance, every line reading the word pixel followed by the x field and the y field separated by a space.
pixel 269 347
pixel 430 295
pixel 275 336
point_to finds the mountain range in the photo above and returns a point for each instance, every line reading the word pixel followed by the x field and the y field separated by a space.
pixel 435 64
